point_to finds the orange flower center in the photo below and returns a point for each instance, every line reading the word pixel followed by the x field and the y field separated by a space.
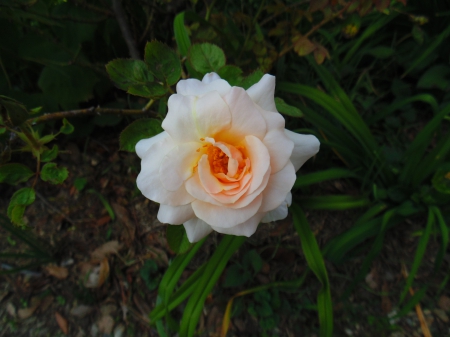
pixel 218 160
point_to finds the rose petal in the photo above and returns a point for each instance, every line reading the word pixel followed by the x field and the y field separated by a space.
pixel 277 143
pixel 279 213
pixel 210 183
pixel 178 165
pixel 259 158
pixel 225 217
pixel 246 117
pixel 195 87
pixel 262 93
pixel 277 188
pixel 144 144
pixel 196 229
pixel 175 215
pixel 179 122
pixel 246 228
pixel 305 146
pixel 149 182
pixel 211 115
pixel 210 77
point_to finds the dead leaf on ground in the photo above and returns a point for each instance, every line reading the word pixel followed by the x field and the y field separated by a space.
pixel 62 322
pixel 129 229
pixel 46 303
pixel 371 279
pixel 81 311
pixel 444 303
pixel 11 309
pixel 106 324
pixel 386 304
pixel 25 313
pixel 60 273
pixel 93 274
pixel 111 247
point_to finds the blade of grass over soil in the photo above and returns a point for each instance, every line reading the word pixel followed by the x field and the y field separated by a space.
pixel 211 274
pixel 444 235
pixel 334 202
pixel 317 177
pixel 315 261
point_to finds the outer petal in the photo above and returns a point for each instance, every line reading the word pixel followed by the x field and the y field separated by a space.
pixel 210 77
pixel 225 217
pixel 305 146
pixel 280 212
pixel 177 165
pixel 175 215
pixel 246 228
pixel 144 144
pixel 247 119
pixel 149 182
pixel 276 190
pixel 196 229
pixel 211 115
pixel 280 148
pixel 179 122
pixel 197 88
pixel 262 93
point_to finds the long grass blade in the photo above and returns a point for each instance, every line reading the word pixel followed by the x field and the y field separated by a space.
pixel 211 274
pixel 444 237
pixel 181 35
pixel 315 261
pixel 420 252
pixel 317 177
pixel 334 202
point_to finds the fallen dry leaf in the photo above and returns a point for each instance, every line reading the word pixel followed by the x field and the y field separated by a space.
pixel 11 309
pixel 444 303
pixel 60 273
pixel 106 324
pixel 111 247
pixel 94 274
pixel 62 322
pixel 81 310
pixel 386 304
pixel 28 312
pixel 129 229
pixel 46 303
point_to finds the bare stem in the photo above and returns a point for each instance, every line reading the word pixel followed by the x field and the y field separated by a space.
pixel 86 112
pixel 125 28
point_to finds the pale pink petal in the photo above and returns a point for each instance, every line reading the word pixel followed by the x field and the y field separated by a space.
pixel 210 183
pixel 247 118
pixel 278 187
pixel 259 158
pixel 210 77
pixel 196 229
pixel 234 155
pixel 197 88
pixel 175 215
pixel 149 182
pixel 225 217
pixel 262 93
pixel 178 165
pixel 277 143
pixel 179 122
pixel 279 213
pixel 195 188
pixel 305 146
pixel 144 144
pixel 211 115
pixel 246 228
pixel 231 198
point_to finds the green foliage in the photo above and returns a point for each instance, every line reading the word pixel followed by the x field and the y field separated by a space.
pixel 162 62
pixel 14 173
pixel 49 154
pixel 126 73
pixel 206 58
pixel 150 275
pixel 53 174
pixel 177 239
pixel 287 109
pixel 19 200
pixel 181 35
pixel 139 129
pixel 66 128
pixel 16 113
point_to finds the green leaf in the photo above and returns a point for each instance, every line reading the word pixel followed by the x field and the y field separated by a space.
pixel 287 109
pixel 150 90
pixel 177 239
pixel 80 183
pixel 140 129
pixel 315 261
pixel 206 57
pixel 16 111
pixel 206 282
pixel 66 128
pixel 149 273
pixel 444 231
pixel 235 276
pixel 317 177
pixel 53 174
pixel 49 154
pixel 181 35
pixel 19 200
pixel 68 85
pixel 14 173
pixel 334 202
pixel 163 62
pixel 441 179
pixel 251 79
pixel 46 139
pixel 126 73
pixel 231 74
pixel 381 52
pixel 435 77
pixel 253 260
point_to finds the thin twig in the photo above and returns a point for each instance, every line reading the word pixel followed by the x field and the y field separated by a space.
pixel 86 112
pixel 125 28
pixel 56 210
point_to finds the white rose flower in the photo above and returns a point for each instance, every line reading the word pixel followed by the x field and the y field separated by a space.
pixel 225 162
